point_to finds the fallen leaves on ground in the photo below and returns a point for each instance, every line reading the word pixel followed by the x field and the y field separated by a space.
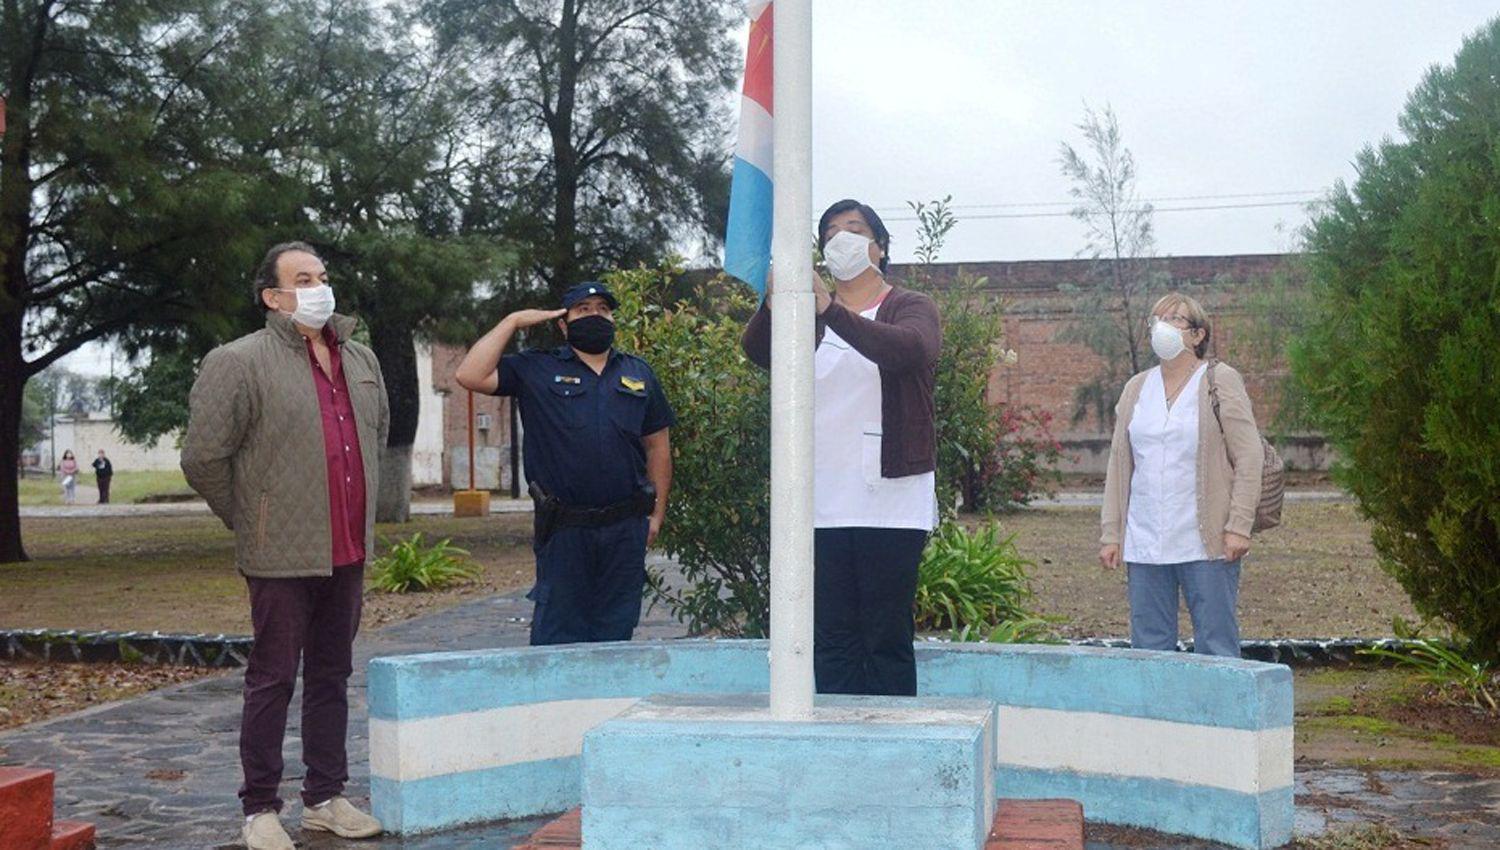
pixel 32 691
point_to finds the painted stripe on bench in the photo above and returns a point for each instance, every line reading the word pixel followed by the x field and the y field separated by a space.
pixel 1249 821
pixel 1249 762
pixel 479 740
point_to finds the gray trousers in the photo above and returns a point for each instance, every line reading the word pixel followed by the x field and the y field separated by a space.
pixel 1212 589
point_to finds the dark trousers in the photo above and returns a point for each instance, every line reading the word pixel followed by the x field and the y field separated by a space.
pixel 589 583
pixel 103 482
pixel 864 581
pixel 314 620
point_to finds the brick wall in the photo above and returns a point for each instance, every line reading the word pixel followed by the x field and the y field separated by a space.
pixel 1041 302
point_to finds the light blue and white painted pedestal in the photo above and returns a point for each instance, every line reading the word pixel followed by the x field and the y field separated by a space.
pixel 689 772
pixel 1187 744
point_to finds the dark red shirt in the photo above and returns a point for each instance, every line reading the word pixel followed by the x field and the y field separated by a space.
pixel 346 471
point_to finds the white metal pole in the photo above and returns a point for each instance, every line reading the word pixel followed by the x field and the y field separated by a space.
pixel 792 367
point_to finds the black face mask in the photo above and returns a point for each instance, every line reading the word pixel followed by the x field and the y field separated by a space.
pixel 591 334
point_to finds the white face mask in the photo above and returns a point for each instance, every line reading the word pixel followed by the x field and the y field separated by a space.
pixel 1166 340
pixel 314 305
pixel 847 255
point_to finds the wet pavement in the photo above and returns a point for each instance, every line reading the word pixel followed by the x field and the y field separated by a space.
pixel 160 770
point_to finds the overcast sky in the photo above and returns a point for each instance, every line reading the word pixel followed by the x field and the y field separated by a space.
pixel 1262 102
pixel 924 98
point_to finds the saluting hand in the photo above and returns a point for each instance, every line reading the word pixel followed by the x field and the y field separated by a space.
pixel 527 318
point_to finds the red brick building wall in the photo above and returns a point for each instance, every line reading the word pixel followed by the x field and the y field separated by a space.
pixel 1041 299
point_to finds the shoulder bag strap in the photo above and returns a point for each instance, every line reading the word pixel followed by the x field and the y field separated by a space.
pixel 1213 394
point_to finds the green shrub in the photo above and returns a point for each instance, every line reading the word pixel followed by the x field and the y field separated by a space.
pixel 991 456
pixel 1401 363
pixel 718 517
pixel 412 565
pixel 1445 667
pixel 718 522
pixel 975 585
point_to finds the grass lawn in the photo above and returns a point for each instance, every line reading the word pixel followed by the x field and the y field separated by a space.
pixel 126 487
pixel 176 574
pixel 1390 719
pixel 1315 576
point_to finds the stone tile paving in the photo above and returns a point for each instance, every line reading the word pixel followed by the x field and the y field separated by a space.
pixel 161 770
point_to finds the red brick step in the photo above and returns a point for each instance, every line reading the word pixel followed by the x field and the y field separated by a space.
pixel 1037 825
pixel 26 814
pixel 1019 825
pixel 25 808
pixel 566 831
pixel 72 835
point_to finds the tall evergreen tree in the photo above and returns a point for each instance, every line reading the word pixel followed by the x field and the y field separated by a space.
pixel 604 125
pixel 1401 361
pixel 103 218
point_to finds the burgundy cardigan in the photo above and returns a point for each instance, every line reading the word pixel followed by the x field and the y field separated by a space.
pixel 903 340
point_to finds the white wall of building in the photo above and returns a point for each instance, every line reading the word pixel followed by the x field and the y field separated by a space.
pixel 86 436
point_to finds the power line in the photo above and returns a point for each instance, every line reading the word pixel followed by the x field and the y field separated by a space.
pixel 991 216
pixel 1074 203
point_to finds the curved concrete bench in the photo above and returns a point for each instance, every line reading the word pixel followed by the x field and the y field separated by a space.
pixel 1169 741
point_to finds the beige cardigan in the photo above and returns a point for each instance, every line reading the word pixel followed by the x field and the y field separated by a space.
pixel 1229 463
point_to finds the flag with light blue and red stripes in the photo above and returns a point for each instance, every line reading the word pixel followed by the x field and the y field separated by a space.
pixel 747 243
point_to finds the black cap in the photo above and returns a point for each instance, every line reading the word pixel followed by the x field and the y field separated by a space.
pixel 579 291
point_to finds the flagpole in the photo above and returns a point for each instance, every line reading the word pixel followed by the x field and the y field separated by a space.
pixel 792 367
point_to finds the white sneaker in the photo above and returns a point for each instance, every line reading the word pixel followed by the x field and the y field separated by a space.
pixel 340 817
pixel 264 832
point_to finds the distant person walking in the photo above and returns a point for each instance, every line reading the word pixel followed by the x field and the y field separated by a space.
pixel 69 470
pixel 104 472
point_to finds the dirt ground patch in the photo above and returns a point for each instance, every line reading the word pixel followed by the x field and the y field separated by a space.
pixel 176 574
pixel 1315 576
pixel 32 692
pixel 1390 718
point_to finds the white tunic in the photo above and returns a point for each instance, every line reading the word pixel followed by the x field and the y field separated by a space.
pixel 1161 524
pixel 847 488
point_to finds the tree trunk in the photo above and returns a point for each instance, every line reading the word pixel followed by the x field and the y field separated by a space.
pixel 12 385
pixel 15 229
pixel 564 156
pixel 393 499
pixel 396 350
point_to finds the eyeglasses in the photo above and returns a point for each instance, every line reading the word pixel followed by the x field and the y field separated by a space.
pixel 1180 322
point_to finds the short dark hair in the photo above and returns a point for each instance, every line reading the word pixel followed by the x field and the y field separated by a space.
pixel 265 274
pixel 882 236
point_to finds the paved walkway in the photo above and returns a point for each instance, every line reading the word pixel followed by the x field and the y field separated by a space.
pixel 160 770
pixel 504 505
pixel 87 509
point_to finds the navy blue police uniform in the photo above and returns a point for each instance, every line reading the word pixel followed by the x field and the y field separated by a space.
pixel 586 466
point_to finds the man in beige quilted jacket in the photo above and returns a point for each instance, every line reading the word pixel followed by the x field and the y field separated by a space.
pixel 283 442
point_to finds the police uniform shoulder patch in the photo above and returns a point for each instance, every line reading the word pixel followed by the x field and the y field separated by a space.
pixel 632 384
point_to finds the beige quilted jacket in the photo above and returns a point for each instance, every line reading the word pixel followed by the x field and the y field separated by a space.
pixel 254 446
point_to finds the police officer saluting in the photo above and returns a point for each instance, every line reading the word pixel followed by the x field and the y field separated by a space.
pixel 598 463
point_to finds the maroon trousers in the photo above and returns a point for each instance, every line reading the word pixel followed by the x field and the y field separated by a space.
pixel 314 620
